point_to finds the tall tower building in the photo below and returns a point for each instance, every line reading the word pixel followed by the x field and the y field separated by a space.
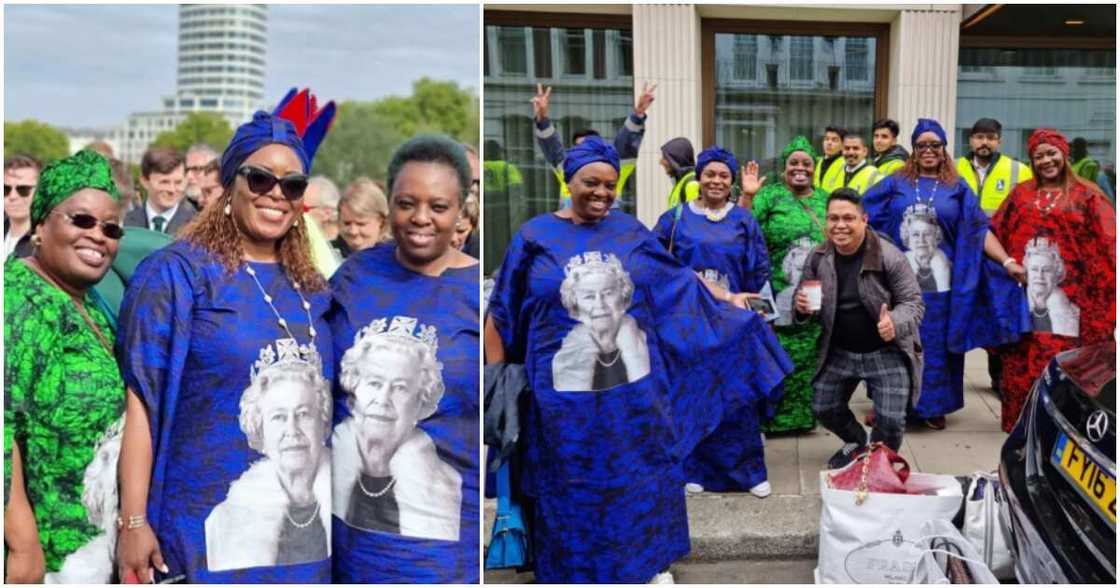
pixel 222 53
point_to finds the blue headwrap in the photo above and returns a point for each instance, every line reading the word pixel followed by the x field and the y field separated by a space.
pixel 717 153
pixel 590 150
pixel 264 129
pixel 928 125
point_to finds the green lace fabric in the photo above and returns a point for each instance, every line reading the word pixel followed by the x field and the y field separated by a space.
pixel 784 221
pixel 63 393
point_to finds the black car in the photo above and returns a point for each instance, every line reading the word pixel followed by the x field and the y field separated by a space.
pixel 1059 470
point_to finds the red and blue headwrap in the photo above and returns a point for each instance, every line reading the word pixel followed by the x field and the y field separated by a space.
pixel 264 129
pixel 717 153
pixel 312 123
pixel 928 125
pixel 592 149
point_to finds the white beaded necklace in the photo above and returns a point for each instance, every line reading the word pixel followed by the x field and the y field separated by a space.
pixel 379 493
pixel 314 516
pixel 279 319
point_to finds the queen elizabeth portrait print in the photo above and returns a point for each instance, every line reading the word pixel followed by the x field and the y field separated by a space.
pixel 921 236
pixel 388 475
pixel 607 348
pixel 1051 309
pixel 278 511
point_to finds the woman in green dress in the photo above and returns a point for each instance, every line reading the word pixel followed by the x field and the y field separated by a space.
pixel 791 214
pixel 64 394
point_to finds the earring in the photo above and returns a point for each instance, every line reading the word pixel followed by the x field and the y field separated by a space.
pixel 36 240
pixel 226 210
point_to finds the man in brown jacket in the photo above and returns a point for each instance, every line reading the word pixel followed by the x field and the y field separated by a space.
pixel 870 309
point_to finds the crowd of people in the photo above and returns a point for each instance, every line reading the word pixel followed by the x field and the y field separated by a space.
pixel 284 385
pixel 877 265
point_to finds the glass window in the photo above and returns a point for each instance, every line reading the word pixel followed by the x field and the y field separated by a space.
pixel 597 93
pixel 856 60
pixel 1072 90
pixel 760 107
pixel 511 41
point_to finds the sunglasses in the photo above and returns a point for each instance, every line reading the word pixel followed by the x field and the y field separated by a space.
pixel 928 146
pixel 24 190
pixel 87 221
pixel 262 182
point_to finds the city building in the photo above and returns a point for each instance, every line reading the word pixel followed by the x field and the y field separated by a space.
pixel 221 68
pixel 751 77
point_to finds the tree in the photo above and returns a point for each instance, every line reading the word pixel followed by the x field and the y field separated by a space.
pixel 360 143
pixel 39 140
pixel 198 127
pixel 434 107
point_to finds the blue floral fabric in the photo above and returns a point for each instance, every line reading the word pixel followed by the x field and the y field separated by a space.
pixel 731 252
pixel 190 334
pixel 607 430
pixel 979 306
pixel 369 286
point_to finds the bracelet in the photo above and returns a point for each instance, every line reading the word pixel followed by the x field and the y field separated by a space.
pixel 1008 261
pixel 133 522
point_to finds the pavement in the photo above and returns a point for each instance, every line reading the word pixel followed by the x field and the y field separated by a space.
pixel 737 538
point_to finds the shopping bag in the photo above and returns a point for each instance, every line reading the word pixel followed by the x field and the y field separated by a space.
pixel 875 540
pixel 983 526
pixel 949 558
pixel 509 541
pixel 875 469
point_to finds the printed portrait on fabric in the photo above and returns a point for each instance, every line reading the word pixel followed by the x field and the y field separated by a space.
pixel 715 277
pixel 278 511
pixel 93 562
pixel 388 474
pixel 1051 309
pixel 607 348
pixel 793 264
pixel 921 237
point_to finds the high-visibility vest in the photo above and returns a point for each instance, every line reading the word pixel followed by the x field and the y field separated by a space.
pixel 499 175
pixel 624 173
pixel 890 166
pixel 1087 168
pixel 865 178
pixel 1005 174
pixel 833 177
pixel 688 185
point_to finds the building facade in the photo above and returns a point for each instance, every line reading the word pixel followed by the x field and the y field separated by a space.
pixel 752 77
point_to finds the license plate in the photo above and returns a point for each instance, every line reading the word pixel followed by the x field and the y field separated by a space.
pixel 1096 484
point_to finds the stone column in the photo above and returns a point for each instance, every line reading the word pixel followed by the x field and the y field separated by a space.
pixel 666 52
pixel 925 46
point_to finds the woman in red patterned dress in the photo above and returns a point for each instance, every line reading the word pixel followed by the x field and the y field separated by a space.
pixel 1064 231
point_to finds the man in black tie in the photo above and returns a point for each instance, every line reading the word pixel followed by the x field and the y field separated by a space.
pixel 163 176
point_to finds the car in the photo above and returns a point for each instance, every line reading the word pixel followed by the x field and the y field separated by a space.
pixel 1058 469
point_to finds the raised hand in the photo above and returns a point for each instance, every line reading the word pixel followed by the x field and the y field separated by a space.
pixel 750 182
pixel 540 102
pixel 886 325
pixel 645 99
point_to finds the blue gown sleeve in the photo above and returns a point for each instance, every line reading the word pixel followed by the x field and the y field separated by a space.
pixel 877 203
pixel 988 308
pixel 664 227
pixel 758 261
pixel 549 141
pixel 508 298
pixel 629 137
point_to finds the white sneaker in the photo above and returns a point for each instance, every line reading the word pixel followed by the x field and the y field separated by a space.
pixel 693 488
pixel 762 490
pixel 665 577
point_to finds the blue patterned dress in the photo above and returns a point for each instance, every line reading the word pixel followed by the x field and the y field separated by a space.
pixel 190 336
pixel 732 253
pixel 970 300
pixel 631 362
pixel 441 547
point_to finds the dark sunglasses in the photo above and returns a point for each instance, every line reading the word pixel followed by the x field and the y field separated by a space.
pixel 87 221
pixel 928 146
pixel 24 190
pixel 262 182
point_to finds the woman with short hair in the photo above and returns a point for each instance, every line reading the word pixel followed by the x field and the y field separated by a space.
pixel 202 320
pixel 63 400
pixel 978 304
pixel 631 361
pixel 1064 230
pixel 722 243
pixel 404 320
pixel 362 218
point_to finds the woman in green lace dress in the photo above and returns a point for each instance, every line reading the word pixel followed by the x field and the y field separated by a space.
pixel 791 213
pixel 64 394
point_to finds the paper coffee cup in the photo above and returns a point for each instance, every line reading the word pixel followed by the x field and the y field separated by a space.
pixel 812 289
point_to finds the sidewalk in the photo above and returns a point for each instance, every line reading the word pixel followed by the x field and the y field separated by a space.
pixel 737 526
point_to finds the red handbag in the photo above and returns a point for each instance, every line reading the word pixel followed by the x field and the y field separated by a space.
pixel 877 468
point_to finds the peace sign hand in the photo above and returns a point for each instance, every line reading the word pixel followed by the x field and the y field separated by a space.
pixel 645 99
pixel 540 102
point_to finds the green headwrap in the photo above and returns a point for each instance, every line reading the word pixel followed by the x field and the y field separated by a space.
pixel 59 180
pixel 799 143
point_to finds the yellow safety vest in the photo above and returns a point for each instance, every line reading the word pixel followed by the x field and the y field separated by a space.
pixel 865 178
pixel 499 175
pixel 891 166
pixel 689 186
pixel 833 176
pixel 624 174
pixel 1005 174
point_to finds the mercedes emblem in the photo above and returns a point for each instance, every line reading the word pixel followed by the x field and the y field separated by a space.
pixel 1096 426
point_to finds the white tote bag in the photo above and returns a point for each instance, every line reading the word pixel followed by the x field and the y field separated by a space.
pixel 944 549
pixel 877 542
pixel 983 526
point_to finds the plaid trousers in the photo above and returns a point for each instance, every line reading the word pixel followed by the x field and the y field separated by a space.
pixel 888 382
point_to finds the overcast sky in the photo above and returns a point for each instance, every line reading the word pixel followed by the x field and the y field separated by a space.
pixel 90 66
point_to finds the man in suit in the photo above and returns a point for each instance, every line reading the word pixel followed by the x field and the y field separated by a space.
pixel 163 176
